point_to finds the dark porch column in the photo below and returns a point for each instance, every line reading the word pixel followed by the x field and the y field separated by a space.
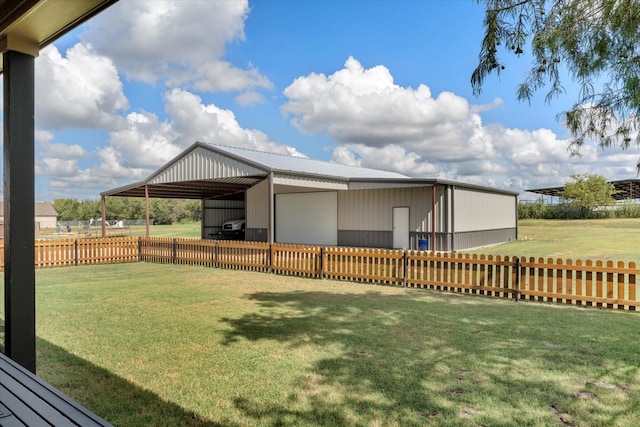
pixel 19 212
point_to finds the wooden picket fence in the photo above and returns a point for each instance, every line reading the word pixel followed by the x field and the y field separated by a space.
pixel 589 283
pixel 67 252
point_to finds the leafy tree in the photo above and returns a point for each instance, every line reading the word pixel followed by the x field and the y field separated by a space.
pixel 161 211
pixel 88 209
pixel 134 208
pixel 67 209
pixel 192 210
pixel 588 191
pixel 596 41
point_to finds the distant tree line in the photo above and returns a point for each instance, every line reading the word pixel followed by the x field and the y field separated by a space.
pixel 541 210
pixel 161 211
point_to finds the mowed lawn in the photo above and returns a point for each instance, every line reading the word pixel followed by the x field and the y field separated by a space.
pixel 606 240
pixel 148 344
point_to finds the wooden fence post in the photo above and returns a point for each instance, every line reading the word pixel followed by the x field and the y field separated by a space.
pixel 321 262
pixel 139 249
pixel 271 258
pixel 404 268
pixel 175 251
pixel 75 252
pixel 517 267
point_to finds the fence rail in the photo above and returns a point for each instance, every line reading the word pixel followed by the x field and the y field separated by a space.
pixel 590 283
pixel 66 252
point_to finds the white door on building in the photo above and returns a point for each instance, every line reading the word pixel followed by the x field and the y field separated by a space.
pixel 401 228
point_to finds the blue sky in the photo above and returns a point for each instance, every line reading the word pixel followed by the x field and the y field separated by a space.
pixel 380 84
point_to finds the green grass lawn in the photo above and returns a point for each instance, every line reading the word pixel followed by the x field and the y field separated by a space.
pixel 610 239
pixel 148 344
pixel 182 229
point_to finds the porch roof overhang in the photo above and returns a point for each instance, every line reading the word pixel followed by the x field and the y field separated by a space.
pixel 29 25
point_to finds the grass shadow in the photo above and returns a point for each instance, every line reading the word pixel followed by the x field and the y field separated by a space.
pixel 402 360
pixel 115 399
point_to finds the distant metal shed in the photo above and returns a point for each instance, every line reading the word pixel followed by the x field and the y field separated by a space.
pixel 298 200
pixel 626 189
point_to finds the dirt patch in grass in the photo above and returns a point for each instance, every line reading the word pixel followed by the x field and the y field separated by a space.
pixel 562 417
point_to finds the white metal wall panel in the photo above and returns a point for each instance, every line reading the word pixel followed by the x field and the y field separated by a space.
pixel 479 210
pixel 377 185
pixel 258 205
pixel 373 209
pixel 309 182
pixel 201 164
pixel 310 218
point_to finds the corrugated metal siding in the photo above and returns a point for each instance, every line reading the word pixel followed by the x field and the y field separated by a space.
pixel 374 185
pixel 256 235
pixel 476 239
pixel 442 210
pixel 309 182
pixel 365 238
pixel 202 164
pixel 372 209
pixel 258 205
pixel 479 210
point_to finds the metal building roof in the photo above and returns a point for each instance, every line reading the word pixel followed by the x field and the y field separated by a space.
pixel 205 171
pixel 282 163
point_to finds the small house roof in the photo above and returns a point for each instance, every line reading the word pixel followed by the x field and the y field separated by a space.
pixel 41 209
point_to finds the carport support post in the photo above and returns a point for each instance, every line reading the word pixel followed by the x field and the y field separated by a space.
pixel 104 216
pixel 146 200
pixel 19 198
pixel 271 236
pixel 433 219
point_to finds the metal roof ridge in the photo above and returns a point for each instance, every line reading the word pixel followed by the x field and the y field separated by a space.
pixel 309 159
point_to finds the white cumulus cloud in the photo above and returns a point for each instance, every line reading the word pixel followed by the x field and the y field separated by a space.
pixel 380 124
pixel 182 44
pixel 81 89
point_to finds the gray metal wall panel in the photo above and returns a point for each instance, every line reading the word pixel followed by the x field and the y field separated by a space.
pixel 201 164
pixel 258 205
pixel 255 234
pixel 384 239
pixel 479 210
pixel 372 209
pixel 225 204
pixel 365 238
pixel 476 239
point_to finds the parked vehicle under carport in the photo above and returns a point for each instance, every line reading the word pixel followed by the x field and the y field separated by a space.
pixel 233 230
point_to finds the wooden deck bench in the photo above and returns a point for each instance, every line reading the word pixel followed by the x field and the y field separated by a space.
pixel 27 400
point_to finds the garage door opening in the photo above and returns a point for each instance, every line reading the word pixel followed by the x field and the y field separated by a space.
pixel 307 218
